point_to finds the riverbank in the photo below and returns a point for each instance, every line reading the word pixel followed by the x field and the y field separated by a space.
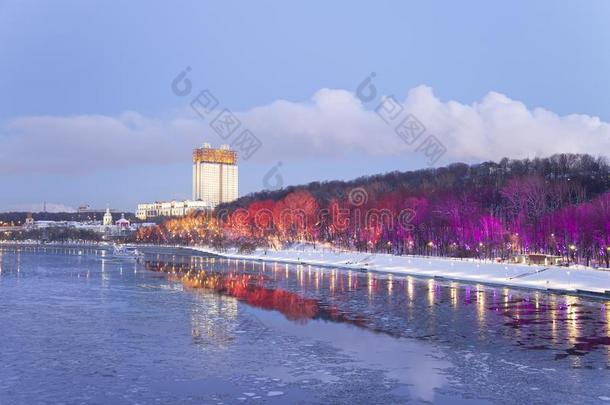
pixel 574 280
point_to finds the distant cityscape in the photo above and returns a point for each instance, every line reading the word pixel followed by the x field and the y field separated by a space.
pixel 215 180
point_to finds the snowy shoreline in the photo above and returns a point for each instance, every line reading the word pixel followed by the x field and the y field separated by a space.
pixel 571 280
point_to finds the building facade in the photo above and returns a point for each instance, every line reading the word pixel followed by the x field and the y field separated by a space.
pixel 215 175
pixel 169 208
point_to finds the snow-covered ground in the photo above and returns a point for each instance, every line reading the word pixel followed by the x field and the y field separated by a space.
pixel 572 279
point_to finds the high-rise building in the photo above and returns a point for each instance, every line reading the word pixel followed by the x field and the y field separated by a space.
pixel 214 182
pixel 215 176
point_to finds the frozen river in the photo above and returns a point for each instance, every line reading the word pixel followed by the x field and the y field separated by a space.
pixel 79 326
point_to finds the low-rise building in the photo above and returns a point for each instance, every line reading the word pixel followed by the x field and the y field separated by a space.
pixel 170 208
pixel 539 259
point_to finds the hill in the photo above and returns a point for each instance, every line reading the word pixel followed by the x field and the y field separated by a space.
pixel 558 205
pixel 590 174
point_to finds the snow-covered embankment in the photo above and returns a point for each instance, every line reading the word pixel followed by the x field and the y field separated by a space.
pixel 576 279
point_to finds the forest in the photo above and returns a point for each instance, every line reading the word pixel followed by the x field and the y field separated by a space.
pixel 558 205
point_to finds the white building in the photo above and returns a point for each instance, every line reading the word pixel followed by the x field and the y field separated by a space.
pixel 215 175
pixel 170 208
pixel 215 181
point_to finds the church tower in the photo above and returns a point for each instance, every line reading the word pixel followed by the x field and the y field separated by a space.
pixel 107 218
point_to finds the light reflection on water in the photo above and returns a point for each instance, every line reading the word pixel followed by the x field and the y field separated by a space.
pixel 489 338
pixel 564 326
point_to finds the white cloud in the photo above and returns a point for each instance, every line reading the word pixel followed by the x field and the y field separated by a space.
pixel 498 126
pixel 88 142
pixel 333 122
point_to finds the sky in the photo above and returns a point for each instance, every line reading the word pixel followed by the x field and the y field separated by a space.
pixel 92 110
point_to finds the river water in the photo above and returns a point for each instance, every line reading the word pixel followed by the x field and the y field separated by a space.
pixel 80 326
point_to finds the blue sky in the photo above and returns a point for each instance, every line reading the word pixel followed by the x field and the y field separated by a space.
pixel 73 60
